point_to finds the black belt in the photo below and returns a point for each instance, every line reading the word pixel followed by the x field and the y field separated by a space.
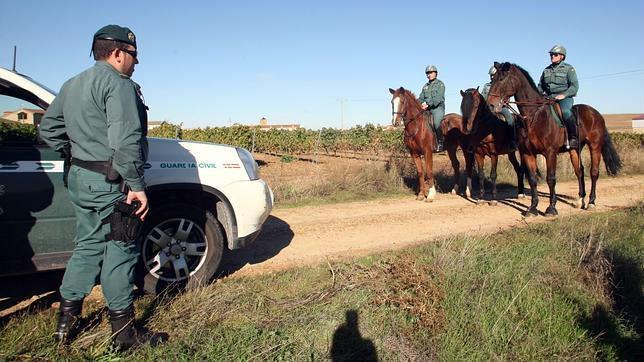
pixel 96 166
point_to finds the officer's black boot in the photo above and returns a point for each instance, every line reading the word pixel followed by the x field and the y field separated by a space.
pixel 125 334
pixel 571 126
pixel 68 315
pixel 439 140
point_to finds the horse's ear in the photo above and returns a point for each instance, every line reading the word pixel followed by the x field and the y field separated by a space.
pixel 392 91
pixel 497 65
pixel 506 66
pixel 401 89
pixel 462 93
pixel 476 90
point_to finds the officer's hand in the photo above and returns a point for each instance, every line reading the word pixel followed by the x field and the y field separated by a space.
pixel 560 97
pixel 142 198
pixel 424 106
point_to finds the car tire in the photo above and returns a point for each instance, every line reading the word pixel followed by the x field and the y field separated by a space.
pixel 181 246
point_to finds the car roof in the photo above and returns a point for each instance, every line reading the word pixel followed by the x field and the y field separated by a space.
pixel 21 81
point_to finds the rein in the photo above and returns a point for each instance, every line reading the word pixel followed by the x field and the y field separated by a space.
pixel 408 120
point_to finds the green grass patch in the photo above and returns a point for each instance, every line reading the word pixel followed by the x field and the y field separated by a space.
pixel 570 288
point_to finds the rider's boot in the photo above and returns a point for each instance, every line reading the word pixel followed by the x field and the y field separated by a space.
pixel 439 140
pixel 571 126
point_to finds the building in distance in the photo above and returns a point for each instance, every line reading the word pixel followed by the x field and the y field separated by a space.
pixel 264 126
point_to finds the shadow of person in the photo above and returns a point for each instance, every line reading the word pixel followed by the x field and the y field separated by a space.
pixel 348 344
pixel 276 234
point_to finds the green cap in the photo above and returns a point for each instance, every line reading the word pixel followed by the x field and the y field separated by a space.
pixel 117 33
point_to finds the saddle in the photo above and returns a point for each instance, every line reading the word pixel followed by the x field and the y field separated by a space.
pixel 429 123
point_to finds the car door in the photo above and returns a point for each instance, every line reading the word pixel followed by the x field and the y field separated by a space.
pixel 37 219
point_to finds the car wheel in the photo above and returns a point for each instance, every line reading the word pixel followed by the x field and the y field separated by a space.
pixel 181 247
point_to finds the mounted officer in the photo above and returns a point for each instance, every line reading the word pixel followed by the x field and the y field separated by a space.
pixel 507 115
pixel 432 99
pixel 99 121
pixel 559 82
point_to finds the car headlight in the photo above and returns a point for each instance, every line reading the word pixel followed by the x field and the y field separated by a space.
pixel 249 163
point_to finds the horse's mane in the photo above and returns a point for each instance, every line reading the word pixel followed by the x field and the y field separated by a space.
pixel 411 94
pixel 528 77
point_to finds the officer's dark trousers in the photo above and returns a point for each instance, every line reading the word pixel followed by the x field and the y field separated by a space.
pixel 438 114
pixel 566 107
pixel 95 259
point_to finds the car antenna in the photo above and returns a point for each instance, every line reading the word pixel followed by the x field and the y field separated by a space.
pixel 14 58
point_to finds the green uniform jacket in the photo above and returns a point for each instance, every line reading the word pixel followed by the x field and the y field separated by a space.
pixel 433 93
pixel 559 79
pixel 100 113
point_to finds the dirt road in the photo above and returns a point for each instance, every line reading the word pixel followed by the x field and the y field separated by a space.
pixel 310 235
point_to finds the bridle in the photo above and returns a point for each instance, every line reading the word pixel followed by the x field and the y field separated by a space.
pixel 406 120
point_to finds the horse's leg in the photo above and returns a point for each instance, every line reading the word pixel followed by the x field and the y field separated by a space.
pixel 451 151
pixel 469 164
pixel 429 161
pixel 595 156
pixel 421 176
pixel 575 158
pixel 530 162
pixel 518 168
pixel 495 159
pixel 551 178
pixel 480 163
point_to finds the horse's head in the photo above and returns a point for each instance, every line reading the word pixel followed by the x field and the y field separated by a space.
pixel 504 85
pixel 470 106
pixel 398 106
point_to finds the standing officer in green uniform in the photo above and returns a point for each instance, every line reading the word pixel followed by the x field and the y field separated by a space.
pixel 432 99
pixel 100 117
pixel 559 81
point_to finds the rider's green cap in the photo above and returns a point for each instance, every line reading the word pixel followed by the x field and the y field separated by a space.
pixel 117 33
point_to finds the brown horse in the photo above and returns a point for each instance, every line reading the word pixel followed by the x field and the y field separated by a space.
pixel 490 137
pixel 418 138
pixel 455 137
pixel 541 135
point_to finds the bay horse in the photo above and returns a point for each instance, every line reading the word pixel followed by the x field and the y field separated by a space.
pixel 418 138
pixel 541 135
pixel 489 136
pixel 454 137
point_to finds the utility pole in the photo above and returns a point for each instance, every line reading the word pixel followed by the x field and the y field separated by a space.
pixel 342 100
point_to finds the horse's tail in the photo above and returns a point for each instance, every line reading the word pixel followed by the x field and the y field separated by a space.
pixel 611 157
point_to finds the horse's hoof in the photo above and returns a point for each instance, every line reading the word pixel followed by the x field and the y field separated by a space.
pixel 420 197
pixel 590 206
pixel 580 203
pixel 531 213
pixel 521 196
pixel 551 211
pixel 480 202
pixel 429 199
pixel 453 192
pixel 493 203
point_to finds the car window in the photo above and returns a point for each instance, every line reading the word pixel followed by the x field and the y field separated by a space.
pixel 19 122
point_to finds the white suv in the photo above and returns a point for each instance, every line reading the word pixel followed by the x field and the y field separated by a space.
pixel 203 197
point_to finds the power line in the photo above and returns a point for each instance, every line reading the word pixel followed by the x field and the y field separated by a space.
pixel 613 74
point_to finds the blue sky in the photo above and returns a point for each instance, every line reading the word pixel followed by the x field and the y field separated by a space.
pixel 327 64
